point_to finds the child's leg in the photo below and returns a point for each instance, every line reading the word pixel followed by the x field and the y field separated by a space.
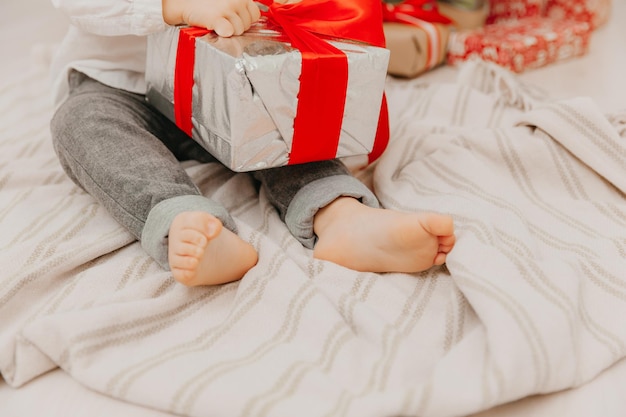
pixel 334 214
pixel 125 155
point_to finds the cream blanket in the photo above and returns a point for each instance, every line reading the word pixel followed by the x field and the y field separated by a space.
pixel 532 298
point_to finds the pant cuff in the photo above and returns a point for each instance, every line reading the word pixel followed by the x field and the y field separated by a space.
pixel 154 237
pixel 318 194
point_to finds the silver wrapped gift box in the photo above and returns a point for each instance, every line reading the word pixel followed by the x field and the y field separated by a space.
pixel 245 94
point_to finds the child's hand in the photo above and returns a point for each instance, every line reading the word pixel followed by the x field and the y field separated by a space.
pixel 225 17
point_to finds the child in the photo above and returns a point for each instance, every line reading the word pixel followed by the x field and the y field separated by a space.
pixel 127 156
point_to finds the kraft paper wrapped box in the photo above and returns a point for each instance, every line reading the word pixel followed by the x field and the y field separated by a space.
pixel 245 94
pixel 416 33
pixel 522 44
pixel 415 49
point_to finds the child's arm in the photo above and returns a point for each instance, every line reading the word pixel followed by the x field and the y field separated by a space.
pixel 114 17
pixel 142 17
pixel 225 17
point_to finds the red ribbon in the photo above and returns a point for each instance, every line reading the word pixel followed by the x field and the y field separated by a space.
pixel 324 76
pixel 408 10
pixel 183 77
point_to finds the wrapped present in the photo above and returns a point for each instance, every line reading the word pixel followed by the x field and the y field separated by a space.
pixel 416 35
pixel 505 10
pixel 263 99
pixel 596 12
pixel 523 44
pixel 415 49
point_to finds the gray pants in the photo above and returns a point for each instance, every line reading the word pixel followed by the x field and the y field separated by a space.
pixel 127 156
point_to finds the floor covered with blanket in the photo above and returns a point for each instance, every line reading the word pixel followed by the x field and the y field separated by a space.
pixel 525 319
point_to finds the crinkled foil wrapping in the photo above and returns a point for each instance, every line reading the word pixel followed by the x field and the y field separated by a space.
pixel 245 94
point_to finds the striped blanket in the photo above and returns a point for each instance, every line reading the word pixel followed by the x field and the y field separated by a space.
pixel 530 301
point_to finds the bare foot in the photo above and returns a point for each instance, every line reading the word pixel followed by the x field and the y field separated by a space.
pixel 378 240
pixel 202 252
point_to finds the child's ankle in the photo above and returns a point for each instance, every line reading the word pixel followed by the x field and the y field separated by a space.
pixel 327 215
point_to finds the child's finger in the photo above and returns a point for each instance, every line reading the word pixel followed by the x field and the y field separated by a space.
pixel 238 24
pixel 246 20
pixel 249 14
pixel 223 27
pixel 255 12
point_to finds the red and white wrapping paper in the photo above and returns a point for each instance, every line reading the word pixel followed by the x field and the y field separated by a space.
pixel 596 12
pixel 522 44
pixel 506 10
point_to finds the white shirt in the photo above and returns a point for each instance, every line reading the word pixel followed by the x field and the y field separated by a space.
pixel 106 41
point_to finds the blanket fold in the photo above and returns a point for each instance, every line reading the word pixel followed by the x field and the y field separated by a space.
pixel 526 304
pixel 579 127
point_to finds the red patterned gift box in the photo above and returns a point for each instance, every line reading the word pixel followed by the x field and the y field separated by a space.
pixel 596 12
pixel 523 44
pixel 505 10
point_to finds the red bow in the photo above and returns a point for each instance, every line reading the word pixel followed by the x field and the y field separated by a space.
pixel 408 10
pixel 323 82
pixel 358 20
